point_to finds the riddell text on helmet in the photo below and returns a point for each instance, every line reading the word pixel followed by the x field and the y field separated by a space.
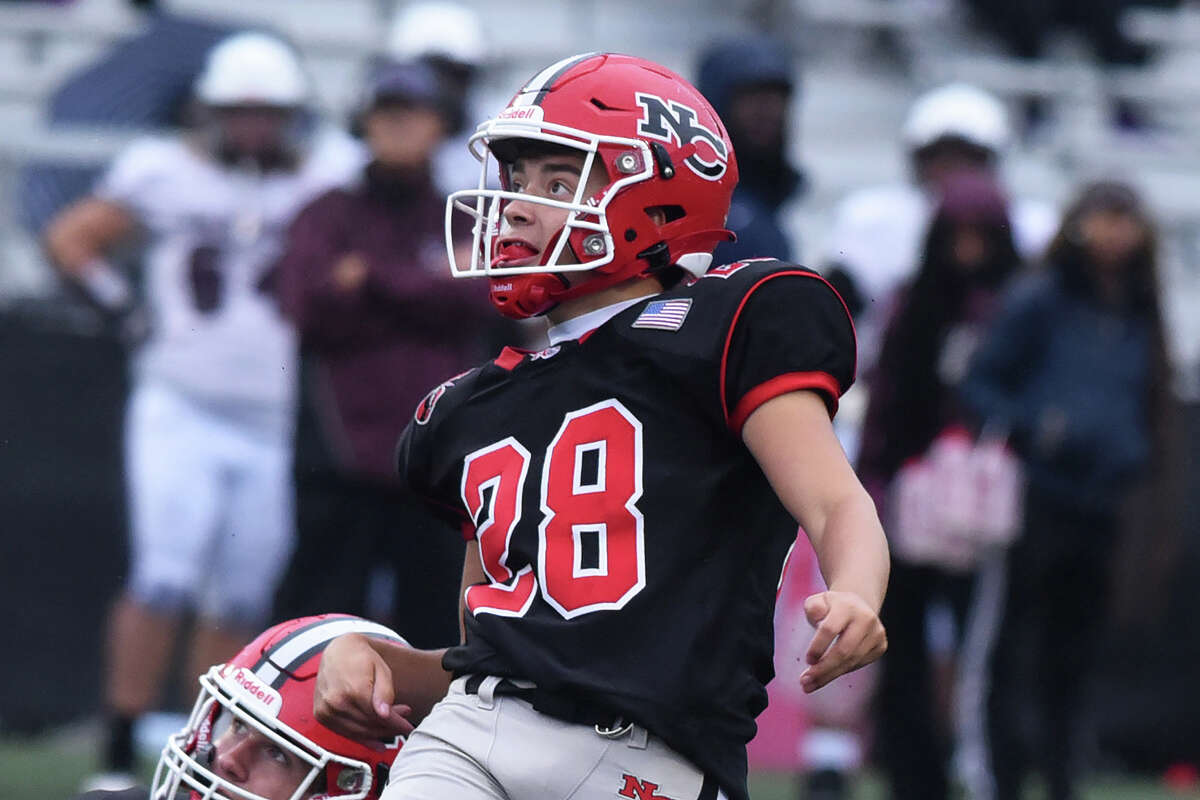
pixel 255 688
pixel 530 113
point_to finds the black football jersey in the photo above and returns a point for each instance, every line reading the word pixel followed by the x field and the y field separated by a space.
pixel 633 545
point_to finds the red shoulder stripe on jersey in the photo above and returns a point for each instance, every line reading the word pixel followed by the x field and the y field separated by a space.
pixel 782 384
pixel 733 326
pixel 509 358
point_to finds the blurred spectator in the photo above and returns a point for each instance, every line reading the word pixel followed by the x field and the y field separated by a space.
pixel 938 320
pixel 143 83
pixel 1075 366
pixel 449 37
pixel 877 231
pixel 208 429
pixel 750 82
pixel 381 320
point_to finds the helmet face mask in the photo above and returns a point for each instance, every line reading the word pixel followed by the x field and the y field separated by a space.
pixel 252 96
pixel 587 217
pixel 268 135
pixel 188 759
pixel 263 699
pixel 662 149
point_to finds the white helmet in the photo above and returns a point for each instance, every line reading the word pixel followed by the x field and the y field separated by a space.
pixel 252 68
pixel 957 110
pixel 438 30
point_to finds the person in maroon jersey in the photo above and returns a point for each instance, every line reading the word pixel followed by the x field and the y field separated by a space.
pixel 630 493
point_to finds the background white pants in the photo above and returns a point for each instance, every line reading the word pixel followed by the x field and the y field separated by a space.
pixel 210 502
pixel 485 747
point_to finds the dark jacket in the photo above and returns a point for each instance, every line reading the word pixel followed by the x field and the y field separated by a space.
pixel 373 353
pixel 767 180
pixel 894 432
pixel 1069 378
pixel 937 324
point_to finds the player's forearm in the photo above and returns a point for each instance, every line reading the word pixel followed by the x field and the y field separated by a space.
pixel 417 675
pixel 852 550
pixel 84 232
pixel 80 258
pixel 70 247
pixel 791 438
pixel 78 239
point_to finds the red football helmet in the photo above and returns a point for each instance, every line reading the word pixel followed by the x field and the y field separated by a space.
pixel 268 687
pixel 662 146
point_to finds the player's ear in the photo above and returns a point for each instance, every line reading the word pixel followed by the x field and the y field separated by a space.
pixel 660 215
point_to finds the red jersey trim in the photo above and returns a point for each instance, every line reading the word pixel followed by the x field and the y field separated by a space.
pixel 782 384
pixel 468 531
pixel 509 358
pixel 729 420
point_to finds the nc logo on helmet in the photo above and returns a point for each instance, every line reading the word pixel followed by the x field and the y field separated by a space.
pixel 670 121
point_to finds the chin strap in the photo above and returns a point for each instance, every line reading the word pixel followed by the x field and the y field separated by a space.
pixel 539 293
pixel 654 260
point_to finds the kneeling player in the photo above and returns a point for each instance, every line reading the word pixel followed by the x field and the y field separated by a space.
pixel 252 735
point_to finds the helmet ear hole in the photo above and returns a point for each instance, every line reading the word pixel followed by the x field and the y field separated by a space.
pixel 661 215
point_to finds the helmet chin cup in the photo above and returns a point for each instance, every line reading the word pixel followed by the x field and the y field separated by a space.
pixel 524 296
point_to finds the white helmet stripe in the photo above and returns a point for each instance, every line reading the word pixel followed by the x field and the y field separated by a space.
pixel 531 94
pixel 297 649
pixel 313 623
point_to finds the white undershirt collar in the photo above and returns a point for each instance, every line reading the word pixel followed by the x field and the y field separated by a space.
pixel 573 328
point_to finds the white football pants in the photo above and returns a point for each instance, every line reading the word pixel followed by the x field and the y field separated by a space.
pixel 489 747
pixel 210 504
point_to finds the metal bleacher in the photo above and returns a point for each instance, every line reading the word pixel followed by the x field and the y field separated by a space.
pixel 42 44
pixel 852 101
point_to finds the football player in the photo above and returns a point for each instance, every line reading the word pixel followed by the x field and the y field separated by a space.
pixel 629 493
pixel 252 736
pixel 208 429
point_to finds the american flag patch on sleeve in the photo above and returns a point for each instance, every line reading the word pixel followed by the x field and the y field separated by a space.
pixel 664 315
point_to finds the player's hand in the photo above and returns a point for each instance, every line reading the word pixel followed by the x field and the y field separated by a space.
pixel 849 635
pixel 355 694
pixel 350 272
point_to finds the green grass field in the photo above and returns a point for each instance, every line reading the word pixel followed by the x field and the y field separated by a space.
pixel 51 768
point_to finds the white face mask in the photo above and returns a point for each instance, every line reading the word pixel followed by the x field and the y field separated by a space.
pixel 484 206
pixel 187 766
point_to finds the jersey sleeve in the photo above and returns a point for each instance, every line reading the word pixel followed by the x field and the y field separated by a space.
pixel 131 179
pixel 792 331
pixel 421 462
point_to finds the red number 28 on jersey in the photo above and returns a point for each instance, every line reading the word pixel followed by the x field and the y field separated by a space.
pixel 591 553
